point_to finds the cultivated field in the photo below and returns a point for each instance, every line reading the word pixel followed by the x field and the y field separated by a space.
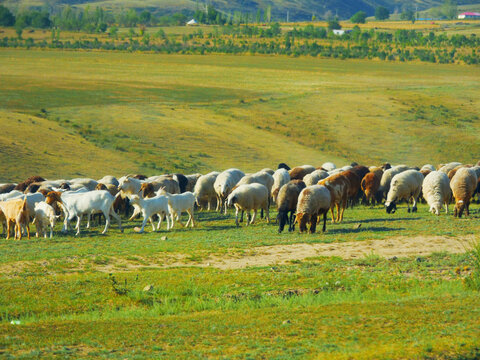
pixel 388 286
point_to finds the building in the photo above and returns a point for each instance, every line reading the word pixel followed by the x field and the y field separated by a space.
pixel 469 15
pixel 341 32
pixel 192 22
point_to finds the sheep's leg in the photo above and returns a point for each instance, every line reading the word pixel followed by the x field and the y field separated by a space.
pixel 8 229
pixel 324 221
pixel 254 216
pixel 344 205
pixel 291 224
pixel 79 219
pixel 446 207
pixel 225 206
pixel 261 213
pixel 28 230
pixel 136 212
pixel 236 217
pixel 267 214
pixel 313 223
pixel 107 221
pixel 88 221
pixel 209 204
pixel 241 217
pixel 467 210
pixel 172 218
pixel 38 227
pixel 190 219
pixel 117 217
pixel 160 218
pixel 332 208
pixel 152 223
pixel 414 207
pixel 339 211
pixel 51 229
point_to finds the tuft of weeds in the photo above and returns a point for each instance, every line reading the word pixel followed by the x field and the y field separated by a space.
pixel 473 280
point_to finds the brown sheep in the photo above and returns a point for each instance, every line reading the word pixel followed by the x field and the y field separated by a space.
pixel 354 187
pixel 16 211
pixel 32 179
pixel 370 184
pixel 112 189
pixel 6 188
pixel 452 172
pixel 463 186
pixel 338 186
pixel 313 201
pixel 287 202
pixel 298 172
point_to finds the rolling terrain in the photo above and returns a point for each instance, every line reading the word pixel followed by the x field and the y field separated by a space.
pixel 157 113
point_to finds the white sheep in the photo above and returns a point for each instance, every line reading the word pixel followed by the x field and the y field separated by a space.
pixel 108 180
pixel 314 177
pixel 428 167
pixel 436 191
pixel 387 177
pixel 249 197
pixel 404 186
pixel 446 168
pixel 204 191
pixel 224 184
pixel 192 180
pixel 90 184
pixel 463 186
pixel 313 201
pixel 280 178
pixel 328 166
pixel 44 216
pixel 151 206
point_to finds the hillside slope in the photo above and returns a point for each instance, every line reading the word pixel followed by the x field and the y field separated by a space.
pixel 298 10
pixel 129 112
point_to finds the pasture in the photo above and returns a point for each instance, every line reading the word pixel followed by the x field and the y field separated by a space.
pixel 375 286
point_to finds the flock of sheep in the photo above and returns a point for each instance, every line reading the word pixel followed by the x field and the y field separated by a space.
pixel 302 195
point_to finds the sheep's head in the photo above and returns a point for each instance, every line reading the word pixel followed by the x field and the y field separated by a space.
pixel 391 207
pixel 134 199
pixel 302 220
pixel 231 200
pixel 459 208
pixel 282 218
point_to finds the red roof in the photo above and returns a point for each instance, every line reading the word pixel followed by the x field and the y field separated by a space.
pixel 471 13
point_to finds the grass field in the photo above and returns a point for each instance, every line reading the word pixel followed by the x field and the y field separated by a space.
pixel 376 286
pixel 156 113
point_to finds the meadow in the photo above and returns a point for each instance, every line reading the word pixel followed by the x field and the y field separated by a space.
pixel 376 286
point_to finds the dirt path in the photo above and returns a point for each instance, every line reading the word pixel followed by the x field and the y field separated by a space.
pixel 268 255
pixel 399 247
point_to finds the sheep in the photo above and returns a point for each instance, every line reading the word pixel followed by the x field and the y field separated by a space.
pixel 178 203
pixel 259 178
pixel 369 185
pixel 224 184
pixel 299 172
pixel 182 182
pixel 24 184
pixel 404 186
pixel 86 203
pixel 32 199
pixel 11 195
pixel 280 178
pixel 354 187
pixel 90 184
pixel 328 166
pixel 313 201
pixel 287 202
pixel 192 180
pixel 16 211
pixel 108 180
pixel 387 177
pixel 447 167
pixel 428 167
pixel 314 177
pixel 204 190
pixel 377 170
pixel 463 186
pixel 111 188
pixel 167 182
pixel 436 191
pixel 6 188
pixel 268 170
pixel 338 186
pixel 249 197
pixel 128 185
pixel 151 206
pixel 452 172
pixel 44 216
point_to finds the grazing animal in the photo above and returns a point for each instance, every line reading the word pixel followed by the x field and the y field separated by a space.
pixel 287 203
pixel 280 178
pixel 387 177
pixel 24 184
pixel 313 202
pixel 314 177
pixel 178 203
pixel 406 185
pixel 79 204
pixel 452 172
pixel 108 180
pixel 369 185
pixel 354 187
pixel 283 166
pixel 248 197
pixel 299 172
pixel 6 188
pixel 463 186
pixel 224 184
pixel 16 211
pixel 436 191
pixel 328 166
pixel 192 180
pixel 44 216
pixel 338 186
pixel 204 190
pixel 447 167
pixel 151 206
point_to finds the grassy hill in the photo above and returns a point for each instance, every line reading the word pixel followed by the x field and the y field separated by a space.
pixel 99 113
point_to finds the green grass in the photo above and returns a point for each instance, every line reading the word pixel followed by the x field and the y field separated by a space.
pixel 164 113
pixel 75 296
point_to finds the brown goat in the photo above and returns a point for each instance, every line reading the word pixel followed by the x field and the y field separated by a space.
pixel 354 187
pixel 16 211
pixel 6 188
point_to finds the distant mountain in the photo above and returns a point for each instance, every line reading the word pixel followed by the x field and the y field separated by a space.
pixel 296 10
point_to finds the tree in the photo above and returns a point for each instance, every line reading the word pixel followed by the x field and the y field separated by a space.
pixel 268 13
pixel 449 9
pixel 359 17
pixel 333 24
pixel 408 15
pixel 145 17
pixel 382 13
pixel 6 17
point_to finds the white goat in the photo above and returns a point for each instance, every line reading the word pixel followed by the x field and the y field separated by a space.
pixel 44 216
pixel 178 203
pixel 151 206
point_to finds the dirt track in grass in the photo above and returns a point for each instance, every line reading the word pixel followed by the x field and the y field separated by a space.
pixel 263 255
